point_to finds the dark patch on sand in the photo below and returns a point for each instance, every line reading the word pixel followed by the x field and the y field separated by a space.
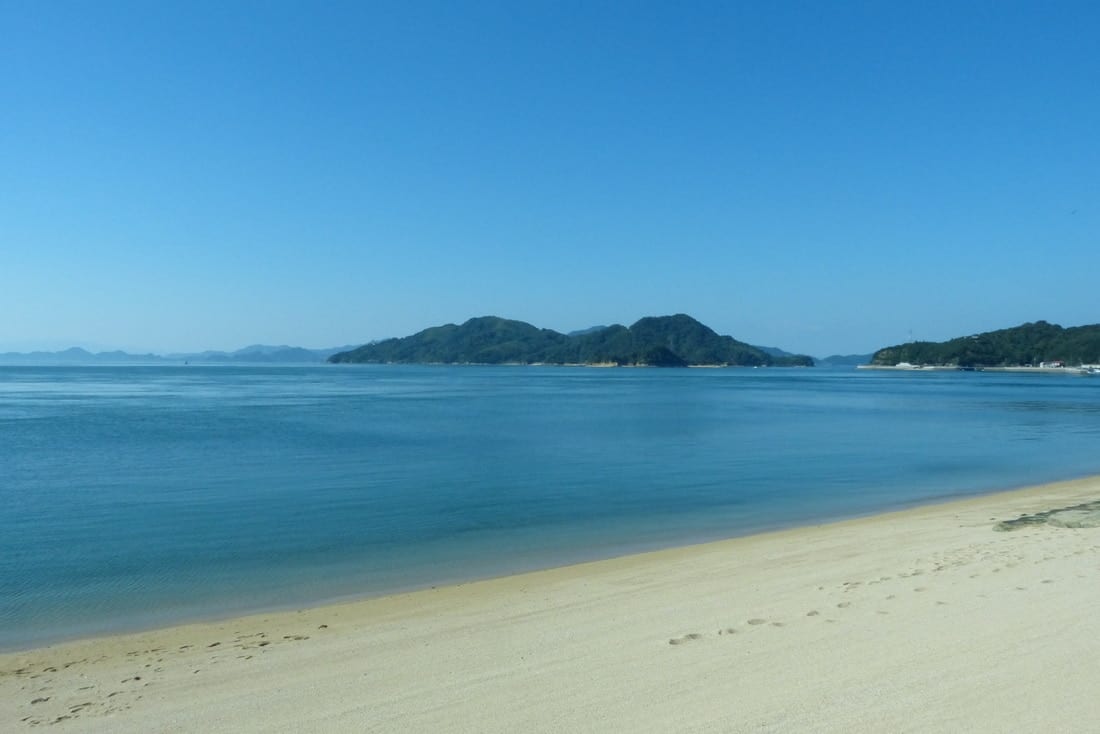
pixel 1085 515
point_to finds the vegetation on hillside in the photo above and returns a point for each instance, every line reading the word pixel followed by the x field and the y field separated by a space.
pixel 656 341
pixel 1027 344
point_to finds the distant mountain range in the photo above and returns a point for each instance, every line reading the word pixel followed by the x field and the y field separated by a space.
pixel 654 341
pixel 253 354
pixel 1027 344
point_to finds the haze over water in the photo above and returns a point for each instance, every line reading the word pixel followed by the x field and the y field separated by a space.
pixel 138 496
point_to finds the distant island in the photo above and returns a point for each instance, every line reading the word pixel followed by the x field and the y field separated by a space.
pixel 1030 344
pixel 654 341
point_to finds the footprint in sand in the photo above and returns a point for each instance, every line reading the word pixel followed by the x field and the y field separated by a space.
pixel 844 605
pixel 686 638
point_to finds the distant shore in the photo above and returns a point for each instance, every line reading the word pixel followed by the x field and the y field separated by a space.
pixel 927 619
pixel 1082 370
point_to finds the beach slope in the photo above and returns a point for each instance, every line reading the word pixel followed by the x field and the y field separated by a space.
pixel 925 620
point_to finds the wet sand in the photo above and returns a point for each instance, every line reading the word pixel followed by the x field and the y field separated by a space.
pixel 926 620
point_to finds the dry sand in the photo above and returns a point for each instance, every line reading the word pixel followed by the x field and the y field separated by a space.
pixel 924 620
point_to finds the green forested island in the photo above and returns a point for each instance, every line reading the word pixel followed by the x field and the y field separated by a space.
pixel 654 341
pixel 1027 344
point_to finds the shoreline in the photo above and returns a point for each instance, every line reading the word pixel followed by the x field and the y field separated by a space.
pixel 172 621
pixel 923 618
pixel 354 598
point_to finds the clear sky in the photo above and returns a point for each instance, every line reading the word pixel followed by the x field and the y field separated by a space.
pixel 822 177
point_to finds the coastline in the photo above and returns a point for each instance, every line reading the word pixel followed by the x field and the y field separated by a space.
pixel 919 619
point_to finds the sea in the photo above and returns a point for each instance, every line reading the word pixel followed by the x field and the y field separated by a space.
pixel 140 496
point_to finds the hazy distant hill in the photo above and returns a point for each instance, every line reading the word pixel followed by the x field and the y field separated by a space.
pixel 589 330
pixel 264 353
pixel 1030 343
pixel 659 341
pixel 255 353
pixel 76 355
pixel 845 360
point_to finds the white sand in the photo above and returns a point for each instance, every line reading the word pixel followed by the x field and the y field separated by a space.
pixel 925 620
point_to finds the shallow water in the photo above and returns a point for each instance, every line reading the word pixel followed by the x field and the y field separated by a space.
pixel 136 496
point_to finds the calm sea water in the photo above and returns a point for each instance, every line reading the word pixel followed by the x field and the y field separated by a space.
pixel 138 496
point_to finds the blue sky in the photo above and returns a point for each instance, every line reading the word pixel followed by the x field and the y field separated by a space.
pixel 822 177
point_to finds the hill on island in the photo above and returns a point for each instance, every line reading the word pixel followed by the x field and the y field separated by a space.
pixel 1026 344
pixel 655 341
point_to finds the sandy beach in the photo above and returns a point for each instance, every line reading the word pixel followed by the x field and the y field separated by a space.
pixel 923 620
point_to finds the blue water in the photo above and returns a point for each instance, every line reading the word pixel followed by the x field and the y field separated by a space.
pixel 139 496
